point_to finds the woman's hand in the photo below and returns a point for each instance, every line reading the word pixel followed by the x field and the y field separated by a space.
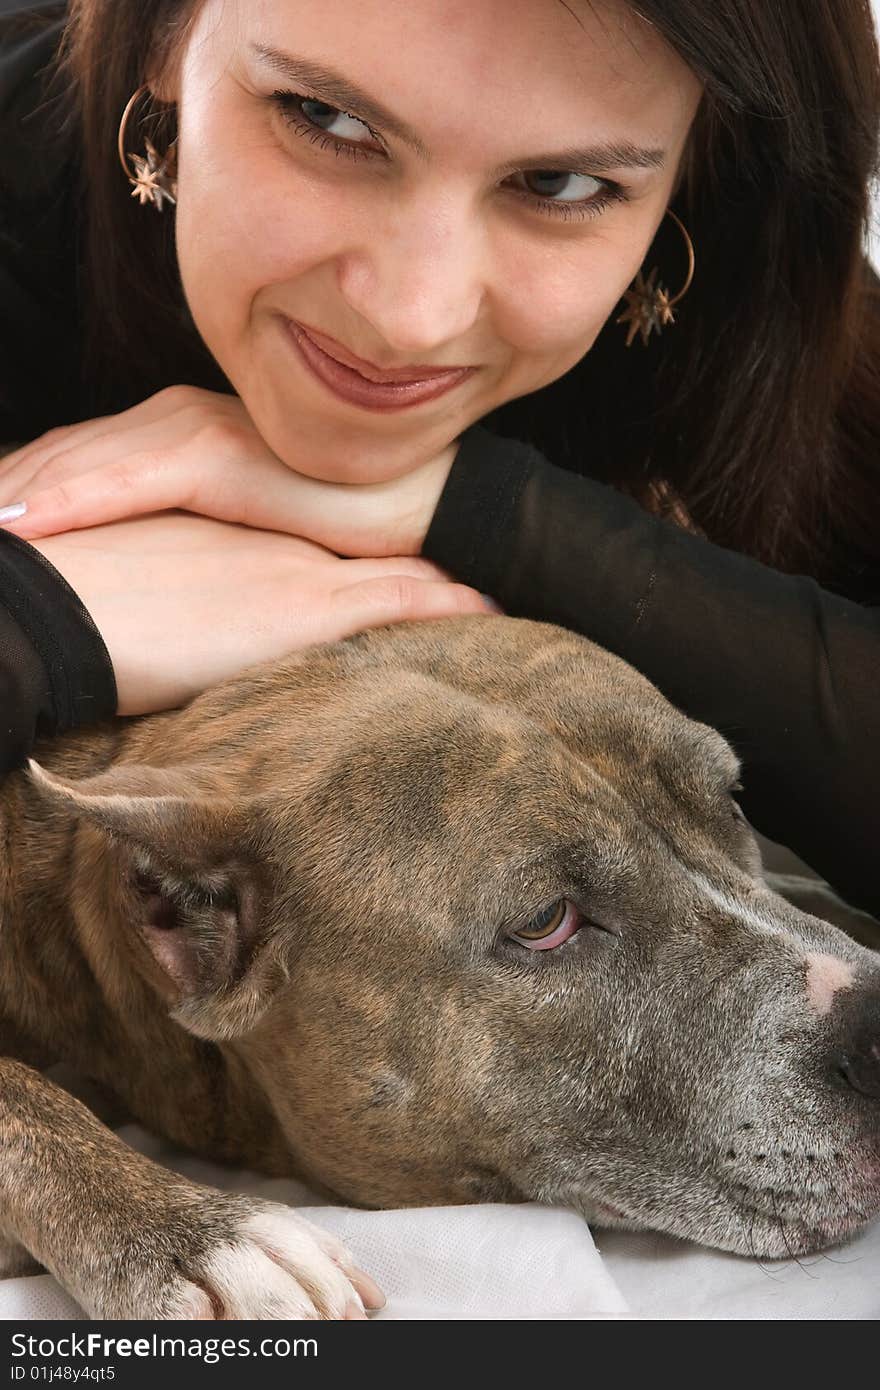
pixel 198 451
pixel 183 602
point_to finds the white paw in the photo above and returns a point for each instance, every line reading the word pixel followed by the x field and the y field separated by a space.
pixel 235 1258
pixel 277 1266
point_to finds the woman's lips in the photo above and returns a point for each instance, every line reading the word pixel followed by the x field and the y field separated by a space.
pixel 369 369
pixel 357 389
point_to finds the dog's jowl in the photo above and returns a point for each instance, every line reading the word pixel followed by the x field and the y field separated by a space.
pixel 446 912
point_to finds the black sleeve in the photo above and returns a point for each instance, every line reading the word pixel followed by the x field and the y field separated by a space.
pixel 785 670
pixel 40 322
pixel 55 672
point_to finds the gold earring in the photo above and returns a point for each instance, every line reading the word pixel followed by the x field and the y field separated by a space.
pixel 648 305
pixel 155 178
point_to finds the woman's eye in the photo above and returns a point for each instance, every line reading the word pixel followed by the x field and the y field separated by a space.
pixel 557 193
pixel 562 186
pixel 323 124
pixel 550 927
pixel 326 117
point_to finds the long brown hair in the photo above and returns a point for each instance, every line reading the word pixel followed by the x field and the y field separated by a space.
pixel 759 408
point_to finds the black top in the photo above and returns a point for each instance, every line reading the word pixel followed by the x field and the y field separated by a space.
pixel 785 669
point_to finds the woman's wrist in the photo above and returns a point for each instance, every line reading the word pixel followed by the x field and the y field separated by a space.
pixel 427 486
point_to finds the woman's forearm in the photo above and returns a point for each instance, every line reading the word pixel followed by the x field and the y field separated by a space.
pixel 785 670
pixel 55 672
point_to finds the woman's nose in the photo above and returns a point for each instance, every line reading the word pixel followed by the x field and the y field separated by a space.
pixel 419 277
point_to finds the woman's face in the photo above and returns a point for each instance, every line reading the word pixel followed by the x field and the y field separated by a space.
pixel 430 214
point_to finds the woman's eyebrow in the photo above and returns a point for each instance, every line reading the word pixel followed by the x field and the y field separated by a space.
pixel 337 91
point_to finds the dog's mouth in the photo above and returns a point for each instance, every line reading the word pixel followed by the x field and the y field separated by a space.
pixel 743 1225
pixel 788 1204
pixel 792 1211
pixel 784 1234
pixel 605 1215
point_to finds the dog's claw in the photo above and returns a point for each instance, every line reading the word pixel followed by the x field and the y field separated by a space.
pixel 369 1290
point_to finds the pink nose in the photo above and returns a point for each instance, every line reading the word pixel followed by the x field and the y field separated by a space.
pixel 825 976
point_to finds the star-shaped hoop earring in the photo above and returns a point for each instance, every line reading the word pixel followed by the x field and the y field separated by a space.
pixel 155 178
pixel 154 182
pixel 648 305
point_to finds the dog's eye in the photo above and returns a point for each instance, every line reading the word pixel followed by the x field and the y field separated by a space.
pixel 550 928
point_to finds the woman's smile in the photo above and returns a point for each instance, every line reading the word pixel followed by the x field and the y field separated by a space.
pixel 358 389
pixel 371 370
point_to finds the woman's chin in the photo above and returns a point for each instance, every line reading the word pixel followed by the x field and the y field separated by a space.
pixel 352 464
pixel 324 452
pixel 328 449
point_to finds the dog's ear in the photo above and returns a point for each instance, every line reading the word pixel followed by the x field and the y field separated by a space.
pixel 194 885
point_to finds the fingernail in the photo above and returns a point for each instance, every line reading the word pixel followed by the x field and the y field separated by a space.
pixel 491 604
pixel 12 513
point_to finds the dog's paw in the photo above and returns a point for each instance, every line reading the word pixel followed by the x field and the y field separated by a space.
pixel 235 1257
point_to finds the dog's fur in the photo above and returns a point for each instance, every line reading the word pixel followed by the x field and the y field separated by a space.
pixel 278 926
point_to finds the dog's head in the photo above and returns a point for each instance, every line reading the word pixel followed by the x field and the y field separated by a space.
pixel 479 911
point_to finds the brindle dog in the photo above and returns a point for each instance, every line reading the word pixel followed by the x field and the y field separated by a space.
pixel 446 912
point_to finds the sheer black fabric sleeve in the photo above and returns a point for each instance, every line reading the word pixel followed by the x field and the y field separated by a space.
pixel 40 321
pixel 55 671
pixel 785 670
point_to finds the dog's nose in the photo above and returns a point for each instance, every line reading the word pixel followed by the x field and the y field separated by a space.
pixel 826 976
pixel 855 1059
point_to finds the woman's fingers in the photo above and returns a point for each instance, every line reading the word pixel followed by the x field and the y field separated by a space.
pixel 398 598
pixel 36 451
pixel 413 565
pixel 142 483
pixel 225 480
pixel 185 449
pixel 61 448
pixel 225 473
pixel 134 486
pixel 158 452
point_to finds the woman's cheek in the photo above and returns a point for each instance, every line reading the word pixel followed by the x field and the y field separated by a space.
pixel 241 245
pixel 561 288
pixel 554 330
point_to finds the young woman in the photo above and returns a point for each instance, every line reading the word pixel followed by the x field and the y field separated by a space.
pixel 419 295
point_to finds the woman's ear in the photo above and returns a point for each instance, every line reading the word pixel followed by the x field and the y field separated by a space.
pixel 162 72
pixel 164 89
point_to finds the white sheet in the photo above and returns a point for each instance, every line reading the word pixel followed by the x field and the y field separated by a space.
pixel 496 1262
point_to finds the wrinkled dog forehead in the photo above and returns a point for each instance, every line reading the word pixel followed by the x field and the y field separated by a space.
pixel 433 794
pixel 473 694
pixel 528 680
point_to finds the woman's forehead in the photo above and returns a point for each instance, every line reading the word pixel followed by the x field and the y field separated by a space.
pixel 538 65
